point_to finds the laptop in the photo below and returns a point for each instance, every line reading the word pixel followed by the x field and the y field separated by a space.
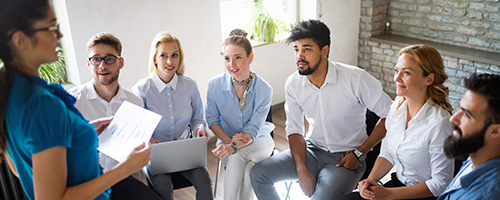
pixel 178 155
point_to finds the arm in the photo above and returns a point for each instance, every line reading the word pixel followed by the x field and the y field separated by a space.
pixel 298 149
pixel 381 167
pixel 197 122
pixel 50 173
pixel 11 164
pixel 349 161
pixel 262 97
pixel 375 137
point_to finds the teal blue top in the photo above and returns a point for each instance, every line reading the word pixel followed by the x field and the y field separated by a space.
pixel 39 117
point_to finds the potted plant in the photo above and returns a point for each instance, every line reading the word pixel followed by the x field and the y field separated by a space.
pixel 265 26
pixel 54 72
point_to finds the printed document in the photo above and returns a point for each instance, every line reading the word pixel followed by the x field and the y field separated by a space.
pixel 130 127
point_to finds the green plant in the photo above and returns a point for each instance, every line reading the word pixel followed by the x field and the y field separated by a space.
pixel 265 26
pixel 54 72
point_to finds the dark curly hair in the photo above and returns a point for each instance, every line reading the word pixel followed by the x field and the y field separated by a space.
pixel 312 29
pixel 486 85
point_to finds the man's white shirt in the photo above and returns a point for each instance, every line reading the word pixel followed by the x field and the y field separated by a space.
pixel 92 107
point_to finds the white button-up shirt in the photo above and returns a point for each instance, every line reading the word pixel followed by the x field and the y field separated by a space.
pixel 417 151
pixel 336 110
pixel 92 106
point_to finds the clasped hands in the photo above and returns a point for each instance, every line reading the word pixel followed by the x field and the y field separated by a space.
pixel 370 189
pixel 225 150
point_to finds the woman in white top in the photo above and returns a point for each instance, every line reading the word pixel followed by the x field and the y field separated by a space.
pixel 417 126
pixel 177 99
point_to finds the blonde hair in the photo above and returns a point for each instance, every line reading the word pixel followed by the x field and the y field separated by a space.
pixel 239 37
pixel 165 37
pixel 430 61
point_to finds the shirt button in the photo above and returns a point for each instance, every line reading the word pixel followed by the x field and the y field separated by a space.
pixel 170 106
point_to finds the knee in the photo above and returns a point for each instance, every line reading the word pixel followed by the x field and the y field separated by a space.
pixel 257 173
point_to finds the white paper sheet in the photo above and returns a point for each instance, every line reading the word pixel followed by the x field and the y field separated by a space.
pixel 131 126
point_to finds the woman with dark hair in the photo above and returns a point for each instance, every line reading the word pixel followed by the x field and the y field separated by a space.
pixel 47 143
pixel 417 126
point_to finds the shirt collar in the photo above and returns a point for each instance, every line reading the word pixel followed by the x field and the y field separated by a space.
pixel 331 75
pixel 92 93
pixel 161 85
pixel 422 113
pixel 481 170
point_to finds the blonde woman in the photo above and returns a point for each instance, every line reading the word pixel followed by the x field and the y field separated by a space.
pixel 177 99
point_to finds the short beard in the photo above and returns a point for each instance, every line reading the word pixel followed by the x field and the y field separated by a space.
pixel 109 82
pixel 460 146
pixel 310 70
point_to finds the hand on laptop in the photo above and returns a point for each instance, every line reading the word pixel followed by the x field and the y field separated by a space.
pixel 154 141
pixel 201 133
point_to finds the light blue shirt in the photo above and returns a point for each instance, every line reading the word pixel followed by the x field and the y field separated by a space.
pixel 40 116
pixel 480 183
pixel 223 106
pixel 178 102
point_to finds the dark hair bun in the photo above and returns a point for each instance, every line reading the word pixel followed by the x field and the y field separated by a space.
pixel 239 32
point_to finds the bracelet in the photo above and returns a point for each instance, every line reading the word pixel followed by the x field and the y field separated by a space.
pixel 234 145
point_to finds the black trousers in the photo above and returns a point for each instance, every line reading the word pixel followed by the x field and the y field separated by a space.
pixel 394 182
pixel 132 189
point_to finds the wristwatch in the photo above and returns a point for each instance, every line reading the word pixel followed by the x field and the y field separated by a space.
pixel 359 155
pixel 234 145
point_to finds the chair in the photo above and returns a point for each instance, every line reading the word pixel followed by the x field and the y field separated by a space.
pixel 269 118
pixel 10 187
pixel 370 121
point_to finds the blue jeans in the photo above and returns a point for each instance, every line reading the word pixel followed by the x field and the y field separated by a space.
pixel 332 182
pixel 132 189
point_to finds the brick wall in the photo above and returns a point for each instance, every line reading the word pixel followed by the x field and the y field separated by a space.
pixel 428 19
pixel 468 23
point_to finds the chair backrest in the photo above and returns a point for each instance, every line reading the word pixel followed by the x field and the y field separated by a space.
pixel 371 121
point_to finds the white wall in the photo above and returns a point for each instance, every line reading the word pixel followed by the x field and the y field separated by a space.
pixel 197 24
pixel 342 17
pixel 135 22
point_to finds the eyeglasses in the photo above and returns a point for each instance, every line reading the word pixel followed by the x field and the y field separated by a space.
pixel 54 28
pixel 109 59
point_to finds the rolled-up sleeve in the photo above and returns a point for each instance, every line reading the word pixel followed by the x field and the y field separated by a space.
pixel 372 95
pixel 294 114
pixel 442 168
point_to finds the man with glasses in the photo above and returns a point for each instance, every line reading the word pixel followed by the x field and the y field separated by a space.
pixel 102 96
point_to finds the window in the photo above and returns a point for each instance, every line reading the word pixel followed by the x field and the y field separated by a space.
pixel 266 21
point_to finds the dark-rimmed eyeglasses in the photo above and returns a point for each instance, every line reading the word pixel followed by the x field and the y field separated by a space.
pixel 54 28
pixel 109 59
